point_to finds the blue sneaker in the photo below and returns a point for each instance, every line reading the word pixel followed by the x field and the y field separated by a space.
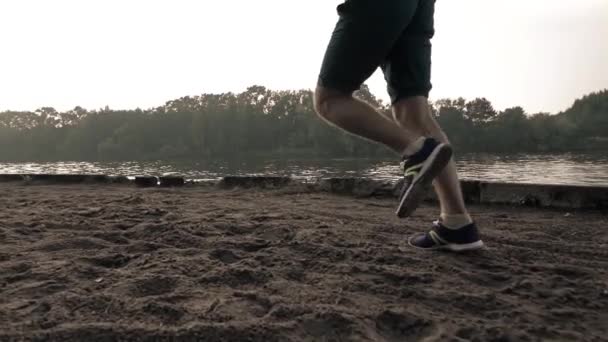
pixel 440 237
pixel 419 171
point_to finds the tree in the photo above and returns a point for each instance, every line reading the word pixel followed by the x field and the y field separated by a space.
pixel 589 114
pixel 480 111
pixel 451 116
pixel 509 132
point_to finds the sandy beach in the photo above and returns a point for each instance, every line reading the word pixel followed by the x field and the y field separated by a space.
pixel 115 262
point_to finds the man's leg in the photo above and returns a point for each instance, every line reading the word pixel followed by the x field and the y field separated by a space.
pixel 407 70
pixel 414 113
pixel 408 74
pixel 455 230
pixel 362 38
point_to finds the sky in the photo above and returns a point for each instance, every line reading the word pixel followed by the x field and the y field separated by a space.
pixel 539 54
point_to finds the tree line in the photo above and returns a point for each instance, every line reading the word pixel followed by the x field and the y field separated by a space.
pixel 260 121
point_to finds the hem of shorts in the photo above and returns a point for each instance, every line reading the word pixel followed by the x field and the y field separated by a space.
pixel 337 86
pixel 409 94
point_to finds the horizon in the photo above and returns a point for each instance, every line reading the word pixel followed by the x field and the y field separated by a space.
pixel 542 59
pixel 384 102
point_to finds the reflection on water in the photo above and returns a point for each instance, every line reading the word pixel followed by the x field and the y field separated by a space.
pixel 575 169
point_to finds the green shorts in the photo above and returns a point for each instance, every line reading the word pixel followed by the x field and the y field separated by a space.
pixel 392 34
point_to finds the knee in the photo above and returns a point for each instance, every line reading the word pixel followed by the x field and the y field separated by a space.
pixel 324 101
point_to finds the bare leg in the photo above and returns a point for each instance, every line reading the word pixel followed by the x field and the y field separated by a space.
pixel 359 118
pixel 414 113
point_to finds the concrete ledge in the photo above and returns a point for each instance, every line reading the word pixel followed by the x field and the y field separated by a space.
pixel 475 192
pixel 360 187
pixel 541 195
pixel 11 178
pixel 119 179
pixel 146 181
pixel 471 191
pixel 252 181
pixel 66 179
pixel 170 181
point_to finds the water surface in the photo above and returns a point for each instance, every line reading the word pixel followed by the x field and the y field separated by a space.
pixel 573 169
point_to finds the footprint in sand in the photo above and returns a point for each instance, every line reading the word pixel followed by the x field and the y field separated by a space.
pixel 225 256
pixel 153 286
pixel 403 326
pixel 109 261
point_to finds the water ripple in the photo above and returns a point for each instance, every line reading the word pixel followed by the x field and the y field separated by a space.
pixel 573 169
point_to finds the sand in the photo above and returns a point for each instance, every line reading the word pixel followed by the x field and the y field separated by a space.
pixel 105 263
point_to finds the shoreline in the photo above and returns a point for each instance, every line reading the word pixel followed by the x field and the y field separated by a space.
pixel 475 192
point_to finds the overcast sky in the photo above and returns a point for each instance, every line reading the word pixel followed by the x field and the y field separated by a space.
pixel 540 54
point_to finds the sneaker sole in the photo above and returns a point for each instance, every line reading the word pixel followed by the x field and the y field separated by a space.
pixel 438 160
pixel 452 247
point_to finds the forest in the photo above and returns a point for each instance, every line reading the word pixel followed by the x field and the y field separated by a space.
pixel 261 121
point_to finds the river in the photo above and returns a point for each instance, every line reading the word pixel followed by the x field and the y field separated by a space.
pixel 572 169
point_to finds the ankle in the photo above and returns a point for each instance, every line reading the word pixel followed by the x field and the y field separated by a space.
pixel 455 221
